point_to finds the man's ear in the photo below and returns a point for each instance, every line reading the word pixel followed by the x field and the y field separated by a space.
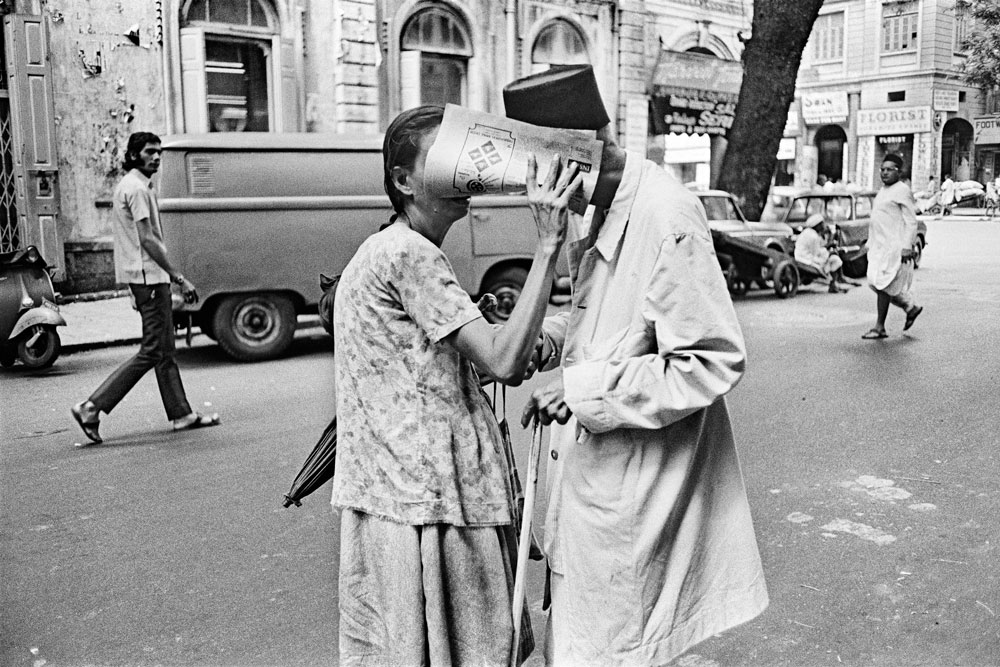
pixel 401 179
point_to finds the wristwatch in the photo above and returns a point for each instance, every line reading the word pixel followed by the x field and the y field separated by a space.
pixel 179 279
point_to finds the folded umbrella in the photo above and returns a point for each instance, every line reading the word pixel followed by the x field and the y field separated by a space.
pixel 318 468
pixel 321 462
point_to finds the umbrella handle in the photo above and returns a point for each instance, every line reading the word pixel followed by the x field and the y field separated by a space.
pixel 524 543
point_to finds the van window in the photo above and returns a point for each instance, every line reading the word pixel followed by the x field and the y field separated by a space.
pixel 292 173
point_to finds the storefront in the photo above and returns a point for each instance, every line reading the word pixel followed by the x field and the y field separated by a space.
pixel 824 114
pixel 692 107
pixel 987 141
pixel 905 131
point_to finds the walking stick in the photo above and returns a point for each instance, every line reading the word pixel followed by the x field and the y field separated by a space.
pixel 524 541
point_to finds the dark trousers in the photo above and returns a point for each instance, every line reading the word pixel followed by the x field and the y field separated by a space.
pixel 156 352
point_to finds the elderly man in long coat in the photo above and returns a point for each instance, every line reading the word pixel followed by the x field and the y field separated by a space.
pixel 648 532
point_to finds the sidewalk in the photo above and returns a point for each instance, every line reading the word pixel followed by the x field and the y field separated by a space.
pixel 95 321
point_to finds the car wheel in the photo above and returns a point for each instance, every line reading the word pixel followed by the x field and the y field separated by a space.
pixel 786 279
pixel 738 286
pixel 253 327
pixel 506 285
pixel 39 346
pixel 918 248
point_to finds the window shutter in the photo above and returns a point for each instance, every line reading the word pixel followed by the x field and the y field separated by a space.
pixel 409 79
pixel 193 80
pixel 287 91
pixel 34 142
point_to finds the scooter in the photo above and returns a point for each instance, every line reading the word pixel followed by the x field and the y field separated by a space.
pixel 28 311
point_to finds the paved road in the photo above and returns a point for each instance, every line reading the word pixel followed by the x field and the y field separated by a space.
pixel 871 467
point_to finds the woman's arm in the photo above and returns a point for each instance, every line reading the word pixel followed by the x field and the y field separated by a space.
pixel 504 353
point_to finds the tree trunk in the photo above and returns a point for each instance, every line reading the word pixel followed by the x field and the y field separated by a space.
pixel 770 65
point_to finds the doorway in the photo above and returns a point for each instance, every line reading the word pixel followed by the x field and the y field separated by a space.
pixel 830 141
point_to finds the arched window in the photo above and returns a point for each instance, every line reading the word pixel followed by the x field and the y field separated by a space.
pixel 558 43
pixel 235 12
pixel 434 60
pixel 231 77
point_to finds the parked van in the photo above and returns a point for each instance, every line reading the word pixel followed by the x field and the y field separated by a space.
pixel 252 219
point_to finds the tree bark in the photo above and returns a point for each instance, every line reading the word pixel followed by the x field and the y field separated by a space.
pixel 771 61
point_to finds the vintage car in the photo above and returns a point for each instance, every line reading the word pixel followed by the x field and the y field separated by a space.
pixel 724 215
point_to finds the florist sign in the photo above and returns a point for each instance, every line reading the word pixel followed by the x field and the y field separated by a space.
pixel 903 120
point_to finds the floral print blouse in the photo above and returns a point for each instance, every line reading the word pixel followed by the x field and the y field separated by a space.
pixel 417 440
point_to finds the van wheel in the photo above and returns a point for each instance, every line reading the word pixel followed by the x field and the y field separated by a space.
pixel 506 285
pixel 253 327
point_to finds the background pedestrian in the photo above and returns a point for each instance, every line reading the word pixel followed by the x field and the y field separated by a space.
pixel 141 262
pixel 891 235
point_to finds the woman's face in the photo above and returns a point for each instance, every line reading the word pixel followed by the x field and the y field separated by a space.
pixel 425 205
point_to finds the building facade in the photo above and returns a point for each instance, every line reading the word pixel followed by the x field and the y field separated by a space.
pixel 882 76
pixel 81 75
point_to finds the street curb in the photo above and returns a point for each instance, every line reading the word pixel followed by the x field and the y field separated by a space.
pixel 90 346
pixel 85 297
pixel 74 348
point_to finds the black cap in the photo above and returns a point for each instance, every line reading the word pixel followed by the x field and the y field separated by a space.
pixel 895 159
pixel 564 96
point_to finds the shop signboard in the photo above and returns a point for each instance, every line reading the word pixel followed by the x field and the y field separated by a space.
pixel 827 107
pixel 792 120
pixel 986 130
pixel 786 149
pixel 945 100
pixel 894 120
pixel 695 94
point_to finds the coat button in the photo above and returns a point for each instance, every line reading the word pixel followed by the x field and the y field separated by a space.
pixel 555 455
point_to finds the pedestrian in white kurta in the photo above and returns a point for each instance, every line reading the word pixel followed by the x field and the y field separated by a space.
pixel 648 532
pixel 891 236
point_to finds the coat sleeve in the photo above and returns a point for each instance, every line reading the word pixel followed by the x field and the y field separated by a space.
pixel 691 353
pixel 554 330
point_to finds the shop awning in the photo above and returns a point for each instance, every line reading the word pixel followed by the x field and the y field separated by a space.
pixel 694 93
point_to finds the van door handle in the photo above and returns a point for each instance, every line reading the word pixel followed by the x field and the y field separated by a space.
pixel 480 217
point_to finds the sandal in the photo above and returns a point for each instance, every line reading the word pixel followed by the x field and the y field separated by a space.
pixel 911 316
pixel 873 334
pixel 200 421
pixel 89 428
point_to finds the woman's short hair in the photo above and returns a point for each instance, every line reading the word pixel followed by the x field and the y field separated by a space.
pixel 402 143
pixel 136 142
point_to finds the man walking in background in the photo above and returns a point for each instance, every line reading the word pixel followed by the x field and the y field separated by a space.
pixel 891 236
pixel 141 262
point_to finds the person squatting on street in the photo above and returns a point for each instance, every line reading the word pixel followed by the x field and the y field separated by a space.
pixel 648 532
pixel 813 248
pixel 891 235
pixel 421 481
pixel 141 261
